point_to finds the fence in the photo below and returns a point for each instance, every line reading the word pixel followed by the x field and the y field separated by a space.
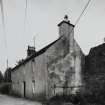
pixel 65 90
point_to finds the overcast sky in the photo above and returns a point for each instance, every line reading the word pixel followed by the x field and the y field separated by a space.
pixel 41 21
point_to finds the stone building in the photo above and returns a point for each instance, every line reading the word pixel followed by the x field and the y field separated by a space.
pixel 54 70
pixel 95 72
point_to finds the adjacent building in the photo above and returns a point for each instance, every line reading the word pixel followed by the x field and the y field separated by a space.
pixel 95 71
pixel 54 70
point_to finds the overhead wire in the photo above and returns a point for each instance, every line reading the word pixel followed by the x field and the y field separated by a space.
pixel 3 22
pixel 25 19
pixel 4 28
pixel 82 12
pixel 80 16
pixel 25 16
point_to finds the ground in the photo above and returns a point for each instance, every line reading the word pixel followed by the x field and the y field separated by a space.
pixel 8 100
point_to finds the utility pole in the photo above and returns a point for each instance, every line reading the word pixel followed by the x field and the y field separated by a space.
pixel 34 41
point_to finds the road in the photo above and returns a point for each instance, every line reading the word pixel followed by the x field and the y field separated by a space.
pixel 8 100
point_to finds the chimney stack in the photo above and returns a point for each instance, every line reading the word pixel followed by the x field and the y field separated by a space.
pixel 65 27
pixel 30 51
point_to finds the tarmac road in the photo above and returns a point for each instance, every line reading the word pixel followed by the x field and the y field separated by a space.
pixel 8 100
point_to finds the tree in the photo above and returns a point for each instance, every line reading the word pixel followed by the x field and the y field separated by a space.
pixel 1 77
pixel 7 75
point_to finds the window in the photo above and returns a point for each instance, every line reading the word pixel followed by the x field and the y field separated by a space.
pixel 33 86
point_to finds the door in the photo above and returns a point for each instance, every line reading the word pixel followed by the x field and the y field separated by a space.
pixel 24 88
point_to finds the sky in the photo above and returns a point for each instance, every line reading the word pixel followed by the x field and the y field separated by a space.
pixel 40 23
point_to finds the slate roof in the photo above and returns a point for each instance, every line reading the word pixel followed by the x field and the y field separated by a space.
pixel 35 54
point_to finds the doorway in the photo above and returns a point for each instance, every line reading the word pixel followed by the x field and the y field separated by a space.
pixel 24 88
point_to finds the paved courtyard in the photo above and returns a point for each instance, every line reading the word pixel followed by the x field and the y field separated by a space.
pixel 8 100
